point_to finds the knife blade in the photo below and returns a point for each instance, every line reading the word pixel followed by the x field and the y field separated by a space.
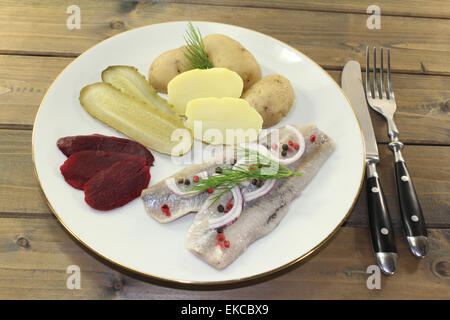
pixel 381 231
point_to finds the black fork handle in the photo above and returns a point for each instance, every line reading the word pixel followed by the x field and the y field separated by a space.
pixel 412 217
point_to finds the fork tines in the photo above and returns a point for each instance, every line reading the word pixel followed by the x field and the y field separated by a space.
pixel 373 91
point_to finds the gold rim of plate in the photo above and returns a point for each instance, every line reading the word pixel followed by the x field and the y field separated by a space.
pixel 302 257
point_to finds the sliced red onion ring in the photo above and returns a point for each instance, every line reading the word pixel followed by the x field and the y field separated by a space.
pixel 265 189
pixel 203 175
pixel 253 146
pixel 228 218
pixel 255 194
pixel 301 143
pixel 171 183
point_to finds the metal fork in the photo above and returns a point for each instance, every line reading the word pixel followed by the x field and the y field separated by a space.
pixel 382 100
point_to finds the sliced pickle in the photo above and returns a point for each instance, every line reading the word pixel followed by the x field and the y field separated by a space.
pixel 136 119
pixel 129 80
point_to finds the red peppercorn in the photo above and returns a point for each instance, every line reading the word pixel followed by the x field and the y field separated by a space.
pixel 312 138
pixel 195 178
pixel 219 244
pixel 220 237
pixel 210 190
pixel 229 205
pixel 290 149
pixel 290 143
pixel 227 243
pixel 226 211
pixel 296 146
pixel 165 209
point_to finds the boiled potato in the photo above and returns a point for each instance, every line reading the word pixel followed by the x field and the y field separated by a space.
pixel 223 121
pixel 203 83
pixel 166 67
pixel 227 53
pixel 272 97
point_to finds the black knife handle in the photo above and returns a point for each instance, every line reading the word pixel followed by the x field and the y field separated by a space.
pixel 381 231
pixel 411 211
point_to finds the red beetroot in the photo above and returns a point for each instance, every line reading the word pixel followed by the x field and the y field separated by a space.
pixel 83 165
pixel 117 185
pixel 73 144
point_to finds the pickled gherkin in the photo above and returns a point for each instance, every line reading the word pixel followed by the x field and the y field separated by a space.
pixel 130 81
pixel 136 119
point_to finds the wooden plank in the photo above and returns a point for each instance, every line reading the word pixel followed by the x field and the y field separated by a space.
pixel 422 115
pixel 421 99
pixel 421 45
pixel 413 8
pixel 35 254
pixel 432 185
pixel 23 83
pixel 20 192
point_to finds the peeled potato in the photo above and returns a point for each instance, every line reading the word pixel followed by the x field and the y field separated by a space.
pixel 223 121
pixel 197 83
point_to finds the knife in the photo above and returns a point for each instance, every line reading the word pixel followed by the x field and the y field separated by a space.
pixel 381 231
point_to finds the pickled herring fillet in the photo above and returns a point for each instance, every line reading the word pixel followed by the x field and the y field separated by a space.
pixel 159 194
pixel 136 119
pixel 97 142
pixel 260 216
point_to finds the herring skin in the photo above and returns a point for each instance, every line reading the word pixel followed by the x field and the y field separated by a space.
pixel 260 216
pixel 159 194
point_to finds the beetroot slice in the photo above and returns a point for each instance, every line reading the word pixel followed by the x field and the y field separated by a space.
pixel 83 165
pixel 117 185
pixel 73 144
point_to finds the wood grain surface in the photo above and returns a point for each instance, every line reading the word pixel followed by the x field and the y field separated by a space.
pixel 35 46
pixel 18 184
pixel 420 98
pixel 35 254
pixel 419 44
pixel 412 8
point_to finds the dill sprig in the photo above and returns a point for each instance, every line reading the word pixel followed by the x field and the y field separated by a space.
pixel 196 53
pixel 257 166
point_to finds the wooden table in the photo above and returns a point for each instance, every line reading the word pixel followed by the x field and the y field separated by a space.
pixel 35 45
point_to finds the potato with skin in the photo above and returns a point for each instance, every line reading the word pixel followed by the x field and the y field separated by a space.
pixel 225 52
pixel 272 97
pixel 166 67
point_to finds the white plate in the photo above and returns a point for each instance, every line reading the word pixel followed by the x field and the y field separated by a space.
pixel 128 236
